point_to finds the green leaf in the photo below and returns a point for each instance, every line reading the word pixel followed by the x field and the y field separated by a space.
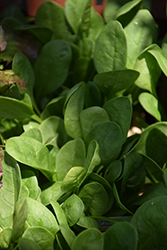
pixel 51 192
pixel 9 192
pixel 128 11
pixel 88 222
pixel 51 67
pixel 32 153
pixel 60 215
pixel 113 171
pixel 153 143
pixel 73 11
pixel 53 131
pixel 113 82
pixel 150 104
pixel 93 95
pixel 90 239
pixel 150 222
pixel 73 208
pixel 68 234
pixel 14 109
pixel 109 137
pixel 119 110
pixel 73 107
pixel 38 238
pixel 52 16
pixel 33 133
pixel 19 221
pixel 39 215
pixel 95 198
pixel 73 179
pixel 85 23
pixel 96 24
pixel 90 117
pixel 70 155
pixel 140 33
pixel 121 235
pixel 110 48
pixel 23 69
pixel 5 236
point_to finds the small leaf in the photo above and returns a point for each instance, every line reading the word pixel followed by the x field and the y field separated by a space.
pixel 150 104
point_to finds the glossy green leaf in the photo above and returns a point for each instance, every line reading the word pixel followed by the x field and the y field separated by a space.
pixel 109 137
pixel 52 16
pixel 32 153
pixel 70 155
pixel 33 133
pixel 39 215
pixel 23 69
pixel 153 143
pixel 88 222
pixel 140 33
pixel 113 171
pixel 95 198
pixel 90 117
pixel 73 208
pixel 73 179
pixel 121 235
pixel 68 234
pixel 90 239
pixel 60 215
pixel 110 48
pixel 96 24
pixel 51 66
pixel 72 111
pixel 119 110
pixel 73 11
pixel 14 109
pixel 9 192
pixel 53 132
pixel 37 238
pixel 150 222
pixel 113 82
pixel 93 95
pixel 150 104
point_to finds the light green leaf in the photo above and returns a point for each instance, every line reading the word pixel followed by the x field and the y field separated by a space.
pixel 90 239
pixel 38 238
pixel 73 208
pixel 96 24
pixel 73 107
pixel 121 235
pixel 70 155
pixel 150 104
pixel 5 236
pixel 150 223
pixel 109 137
pixel 110 48
pixel 68 234
pixel 9 192
pixel 33 133
pixel 140 33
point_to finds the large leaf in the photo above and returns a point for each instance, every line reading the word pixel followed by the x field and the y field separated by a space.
pixel 109 137
pixel 119 110
pixel 70 155
pixel 32 153
pixel 140 33
pixel 51 66
pixel 14 109
pixel 110 48
pixel 38 238
pixel 90 239
pixel 150 221
pixel 73 106
pixel 9 192
pixel 121 235
pixel 113 82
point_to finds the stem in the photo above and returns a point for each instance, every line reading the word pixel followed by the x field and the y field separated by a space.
pixel 36 118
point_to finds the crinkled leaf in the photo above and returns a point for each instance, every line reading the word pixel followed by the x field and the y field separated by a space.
pixel 8 77
pixel 110 48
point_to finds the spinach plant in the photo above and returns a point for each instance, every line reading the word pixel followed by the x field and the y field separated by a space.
pixel 71 83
